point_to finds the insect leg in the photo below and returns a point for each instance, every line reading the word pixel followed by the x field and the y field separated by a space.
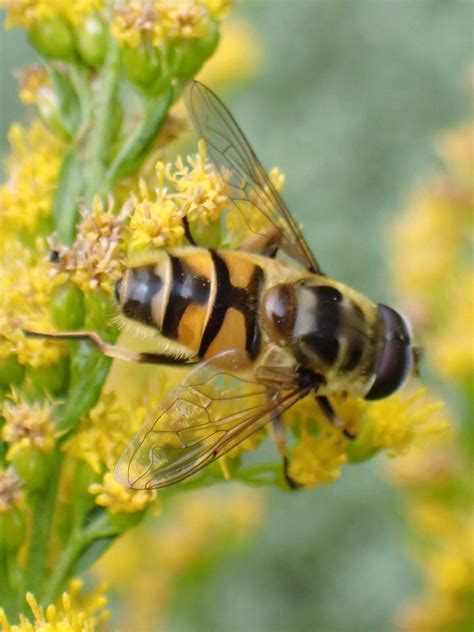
pixel 112 351
pixel 265 243
pixel 330 414
pixel 279 435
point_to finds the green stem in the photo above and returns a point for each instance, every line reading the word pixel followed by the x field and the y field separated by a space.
pixel 80 540
pixel 42 503
pixel 102 129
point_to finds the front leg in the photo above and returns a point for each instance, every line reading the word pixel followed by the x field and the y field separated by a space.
pixel 331 416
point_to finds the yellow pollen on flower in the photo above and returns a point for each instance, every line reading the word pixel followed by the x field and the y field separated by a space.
pixel 32 168
pixel 11 494
pixel 27 425
pixel 401 421
pixel 118 498
pixel 96 259
pixel 156 221
pixel 29 13
pixel 75 611
pixel 160 21
pixel 25 279
pixel 202 194
pixel 317 460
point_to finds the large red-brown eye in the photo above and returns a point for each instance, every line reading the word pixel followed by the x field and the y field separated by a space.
pixel 395 358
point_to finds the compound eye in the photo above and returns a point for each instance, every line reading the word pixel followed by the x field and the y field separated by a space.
pixel 395 359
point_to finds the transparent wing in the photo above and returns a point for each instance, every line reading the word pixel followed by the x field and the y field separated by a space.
pixel 251 190
pixel 210 413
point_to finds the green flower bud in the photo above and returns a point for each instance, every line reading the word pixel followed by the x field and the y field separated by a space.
pixel 51 379
pixel 190 55
pixel 11 373
pixel 53 38
pixel 142 64
pixel 12 529
pixel 67 307
pixel 99 312
pixel 31 466
pixel 91 40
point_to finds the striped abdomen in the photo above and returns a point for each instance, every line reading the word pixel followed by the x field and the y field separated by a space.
pixel 202 299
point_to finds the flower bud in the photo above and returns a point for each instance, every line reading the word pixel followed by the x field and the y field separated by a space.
pixel 52 379
pixel 31 466
pixel 12 529
pixel 11 373
pixel 67 307
pixel 190 55
pixel 99 311
pixel 53 38
pixel 142 64
pixel 91 40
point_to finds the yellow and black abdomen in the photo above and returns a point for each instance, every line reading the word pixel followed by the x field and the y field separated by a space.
pixel 205 300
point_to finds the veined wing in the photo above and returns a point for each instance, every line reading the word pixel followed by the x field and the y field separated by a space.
pixel 251 190
pixel 210 413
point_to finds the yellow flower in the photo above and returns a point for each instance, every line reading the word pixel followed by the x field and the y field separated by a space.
pixel 156 221
pixel 452 349
pixel 317 460
pixel 28 13
pixel 159 21
pixel 118 498
pixel 27 425
pixel 96 258
pixel 33 168
pixel 11 494
pixel 201 193
pixel 402 421
pixel 25 279
pixel 74 612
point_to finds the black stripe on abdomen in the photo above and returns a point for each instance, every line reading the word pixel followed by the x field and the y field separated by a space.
pixel 243 299
pixel 186 288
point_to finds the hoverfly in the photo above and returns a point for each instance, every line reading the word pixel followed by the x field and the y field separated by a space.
pixel 263 332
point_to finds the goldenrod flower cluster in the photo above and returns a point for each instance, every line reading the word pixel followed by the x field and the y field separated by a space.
pixel 434 274
pixel 75 611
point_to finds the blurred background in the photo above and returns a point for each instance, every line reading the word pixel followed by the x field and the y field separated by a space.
pixel 347 101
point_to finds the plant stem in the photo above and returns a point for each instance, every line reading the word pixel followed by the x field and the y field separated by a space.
pixel 42 509
pixel 102 129
pixel 80 540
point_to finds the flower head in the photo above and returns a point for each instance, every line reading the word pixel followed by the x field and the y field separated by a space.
pixel 119 499
pixel 76 611
pixel 27 425
pixel 33 168
pixel 28 13
pixel 95 260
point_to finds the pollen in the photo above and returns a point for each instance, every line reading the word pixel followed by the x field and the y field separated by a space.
pixel 75 611
pixel 118 498
pixel 28 13
pixel 33 169
pixel 317 460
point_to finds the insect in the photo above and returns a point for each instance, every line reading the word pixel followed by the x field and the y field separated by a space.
pixel 263 332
